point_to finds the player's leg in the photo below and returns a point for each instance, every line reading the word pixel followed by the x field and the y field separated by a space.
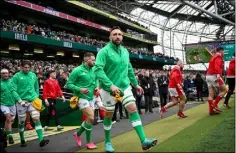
pixel 129 103
pixel 13 115
pixel 211 91
pixel 35 114
pixel 231 87
pixel 9 112
pixel 182 100
pixel 52 102
pixel 21 112
pixel 222 88
pixel 28 124
pixel 174 94
pixel 98 105
pixel 49 114
pixel 86 125
pixel 109 107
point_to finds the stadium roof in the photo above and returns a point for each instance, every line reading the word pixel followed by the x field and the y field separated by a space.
pixel 179 22
pixel 184 10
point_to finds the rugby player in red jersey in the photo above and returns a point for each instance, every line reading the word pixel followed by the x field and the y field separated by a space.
pixel 176 90
pixel 214 80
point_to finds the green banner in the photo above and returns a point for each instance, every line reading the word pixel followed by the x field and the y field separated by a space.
pixel 72 45
pixel 229 50
pixel 202 52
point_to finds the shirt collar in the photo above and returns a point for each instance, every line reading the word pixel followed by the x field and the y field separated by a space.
pixel 115 47
pixel 85 66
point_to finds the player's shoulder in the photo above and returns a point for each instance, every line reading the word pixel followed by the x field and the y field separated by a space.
pixel 56 81
pixel 78 68
pixel 105 48
pixel 47 80
pixel 176 69
pixel 104 51
pixel 232 60
pixel 217 56
pixel 17 74
pixel 124 49
pixel 32 73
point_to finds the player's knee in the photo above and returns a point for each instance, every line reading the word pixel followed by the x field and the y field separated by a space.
pixel 8 119
pixel 131 107
pixel 21 118
pixel 129 104
pixel 12 118
pixel 223 91
pixel 175 100
pixel 90 119
pixel 100 104
pixel 35 116
pixel 109 114
pixel 109 111
pixel 35 119
pixel 183 98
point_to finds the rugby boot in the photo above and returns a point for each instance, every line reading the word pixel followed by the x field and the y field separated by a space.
pixel 181 114
pixel 77 139
pixel 108 147
pixel 148 143
pixel 91 145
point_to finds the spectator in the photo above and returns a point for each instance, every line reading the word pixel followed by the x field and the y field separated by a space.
pixel 63 79
pixel 14 25
pixel 148 86
pixel 199 85
pixel 163 82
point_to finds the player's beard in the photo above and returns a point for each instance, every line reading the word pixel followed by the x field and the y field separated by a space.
pixel 117 43
pixel 90 65
pixel 26 72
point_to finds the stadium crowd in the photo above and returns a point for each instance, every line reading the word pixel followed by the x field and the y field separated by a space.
pixel 37 29
pixel 41 68
pixel 153 88
pixel 144 76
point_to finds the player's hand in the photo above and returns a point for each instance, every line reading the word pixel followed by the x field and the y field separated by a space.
pixel 217 77
pixel 84 91
pixel 139 89
pixel 23 103
pixel 46 102
pixel 114 89
pixel 63 99
pixel 96 92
